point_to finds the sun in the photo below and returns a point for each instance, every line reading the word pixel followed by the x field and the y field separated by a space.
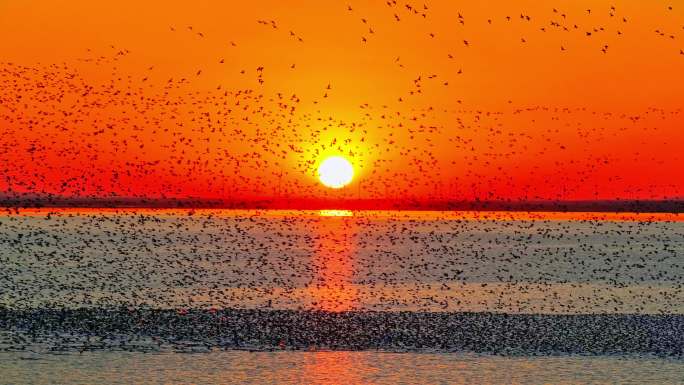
pixel 335 172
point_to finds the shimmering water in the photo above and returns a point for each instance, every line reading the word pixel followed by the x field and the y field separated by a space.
pixel 329 368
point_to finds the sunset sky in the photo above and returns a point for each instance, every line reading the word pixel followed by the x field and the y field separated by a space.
pixel 429 100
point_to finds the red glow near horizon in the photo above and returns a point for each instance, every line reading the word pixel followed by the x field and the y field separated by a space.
pixel 437 101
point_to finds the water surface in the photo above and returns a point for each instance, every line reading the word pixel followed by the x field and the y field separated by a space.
pixel 330 368
pixel 230 296
pixel 339 260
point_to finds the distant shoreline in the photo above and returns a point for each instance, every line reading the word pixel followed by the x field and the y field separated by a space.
pixel 675 206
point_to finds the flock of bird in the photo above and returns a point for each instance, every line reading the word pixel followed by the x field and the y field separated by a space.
pixel 171 264
pixel 142 279
pixel 98 126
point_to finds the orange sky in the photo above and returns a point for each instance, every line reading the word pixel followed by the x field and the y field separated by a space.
pixel 141 99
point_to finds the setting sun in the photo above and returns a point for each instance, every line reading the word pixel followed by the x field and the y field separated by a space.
pixel 335 172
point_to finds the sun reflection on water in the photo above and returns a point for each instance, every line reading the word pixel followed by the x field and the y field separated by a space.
pixel 333 260
pixel 335 213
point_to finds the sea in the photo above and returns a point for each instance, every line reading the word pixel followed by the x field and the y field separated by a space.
pixel 189 296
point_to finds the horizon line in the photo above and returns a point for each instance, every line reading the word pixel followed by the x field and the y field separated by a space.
pixel 601 205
